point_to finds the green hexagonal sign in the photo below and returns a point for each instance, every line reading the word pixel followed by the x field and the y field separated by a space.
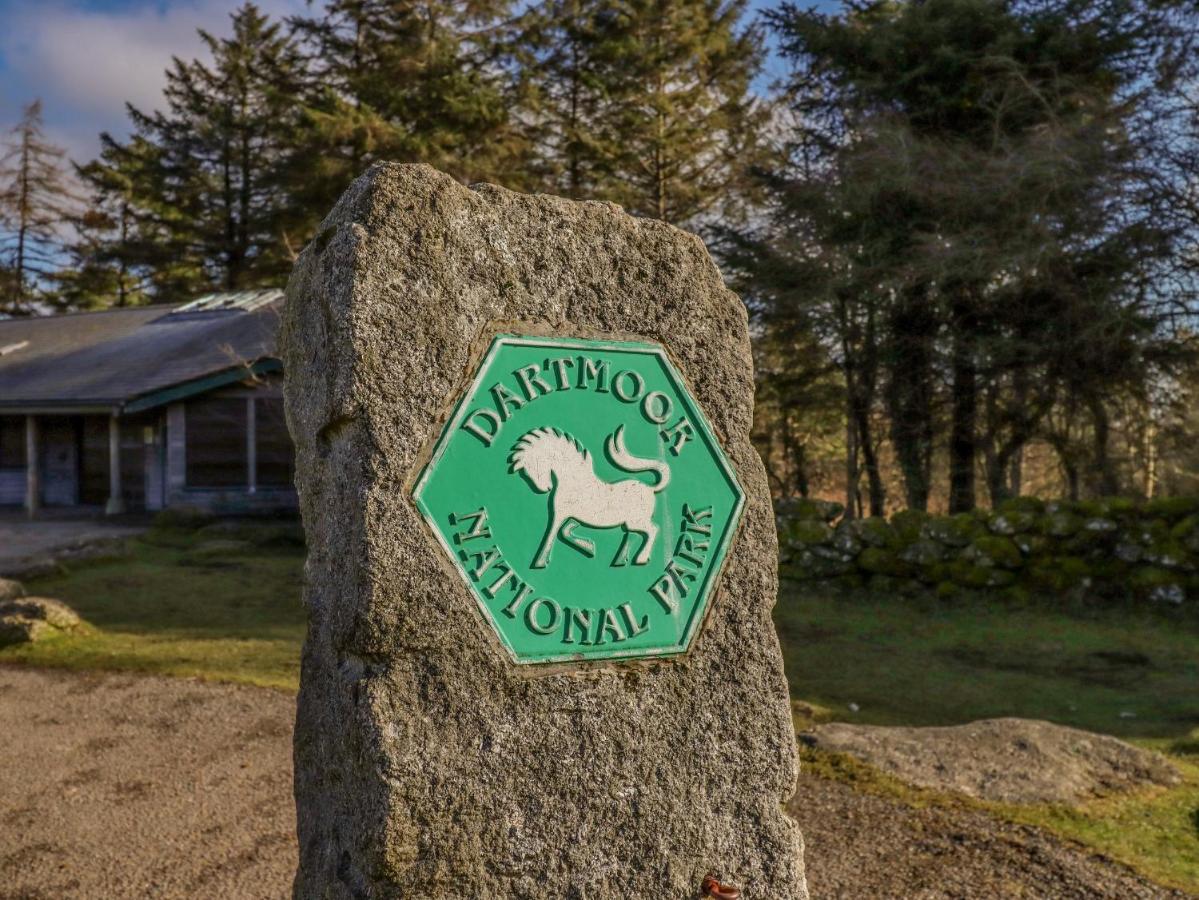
pixel 579 491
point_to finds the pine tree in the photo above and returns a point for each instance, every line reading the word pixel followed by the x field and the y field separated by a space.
pixel 196 199
pixel 100 273
pixel 407 82
pixel 34 203
pixel 560 72
pixel 678 127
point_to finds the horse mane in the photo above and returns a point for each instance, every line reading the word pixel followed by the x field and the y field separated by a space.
pixel 534 454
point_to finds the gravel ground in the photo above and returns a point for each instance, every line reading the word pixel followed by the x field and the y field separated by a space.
pixel 115 786
pixel 861 847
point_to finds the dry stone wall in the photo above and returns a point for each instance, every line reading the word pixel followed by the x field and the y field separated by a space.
pixel 1114 549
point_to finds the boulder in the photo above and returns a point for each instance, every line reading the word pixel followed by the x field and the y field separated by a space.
pixel 1002 760
pixel 952 531
pixel 908 524
pixel 923 553
pixel 872 532
pixel 993 552
pixel 10 589
pixel 1172 508
pixel 1061 523
pixel 877 561
pixel 24 619
pixel 806 532
pixel 1032 506
pixel 1011 522
pixel 427 763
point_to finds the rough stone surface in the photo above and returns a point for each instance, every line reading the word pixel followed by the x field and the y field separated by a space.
pixel 10 589
pixel 24 619
pixel 18 629
pixel 427 764
pixel 1004 760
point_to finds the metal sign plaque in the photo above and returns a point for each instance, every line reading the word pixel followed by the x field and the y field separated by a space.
pixel 581 494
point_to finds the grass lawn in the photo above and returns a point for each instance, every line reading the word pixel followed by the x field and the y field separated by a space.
pixel 928 662
pixel 1134 674
pixel 171 610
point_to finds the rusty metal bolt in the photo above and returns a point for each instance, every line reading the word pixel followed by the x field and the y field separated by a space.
pixel 712 887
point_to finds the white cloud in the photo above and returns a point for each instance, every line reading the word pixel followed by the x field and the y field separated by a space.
pixel 86 64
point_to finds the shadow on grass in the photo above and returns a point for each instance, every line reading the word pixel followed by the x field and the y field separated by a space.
pixel 161 590
pixel 234 615
pixel 918 661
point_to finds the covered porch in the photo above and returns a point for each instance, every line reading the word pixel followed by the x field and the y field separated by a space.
pixel 218 445
pixel 81 458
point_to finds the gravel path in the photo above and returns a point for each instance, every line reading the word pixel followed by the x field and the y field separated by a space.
pixel 118 786
pixel 22 540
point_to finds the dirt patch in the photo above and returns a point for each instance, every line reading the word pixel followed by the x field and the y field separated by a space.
pixel 1004 760
pixel 184 793
pixel 861 846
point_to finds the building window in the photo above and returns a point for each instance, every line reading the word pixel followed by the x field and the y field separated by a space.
pixel 275 453
pixel 216 454
pixel 12 442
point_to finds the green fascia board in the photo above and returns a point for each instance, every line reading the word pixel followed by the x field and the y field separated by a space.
pixel 201 385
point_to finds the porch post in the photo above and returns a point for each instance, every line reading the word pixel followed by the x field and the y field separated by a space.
pixel 116 502
pixel 33 474
pixel 251 446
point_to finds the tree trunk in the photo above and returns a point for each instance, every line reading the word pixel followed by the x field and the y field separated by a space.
pixel 851 459
pixel 874 478
pixel 1150 458
pixel 1003 475
pixel 1016 473
pixel 910 392
pixel 802 485
pixel 1108 483
pixel 963 431
pixel 23 216
pixel 795 454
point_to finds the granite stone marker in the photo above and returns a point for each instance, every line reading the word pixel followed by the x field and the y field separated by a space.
pixel 540 660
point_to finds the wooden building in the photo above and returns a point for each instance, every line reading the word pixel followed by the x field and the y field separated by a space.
pixel 146 408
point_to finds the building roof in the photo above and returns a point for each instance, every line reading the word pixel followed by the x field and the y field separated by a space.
pixel 136 358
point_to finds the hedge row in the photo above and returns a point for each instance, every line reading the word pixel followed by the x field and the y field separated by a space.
pixel 1115 548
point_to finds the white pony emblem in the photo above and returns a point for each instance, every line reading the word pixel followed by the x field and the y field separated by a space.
pixel 552 461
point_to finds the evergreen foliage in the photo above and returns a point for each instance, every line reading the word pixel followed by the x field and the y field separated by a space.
pixel 964 227
pixel 647 103
pixel 195 199
pixel 407 82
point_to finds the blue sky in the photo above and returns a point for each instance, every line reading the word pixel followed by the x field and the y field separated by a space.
pixel 86 58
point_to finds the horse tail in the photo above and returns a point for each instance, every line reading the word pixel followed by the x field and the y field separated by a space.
pixel 620 455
